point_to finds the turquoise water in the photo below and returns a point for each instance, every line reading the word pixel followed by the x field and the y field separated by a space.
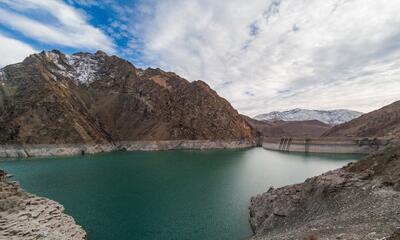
pixel 166 195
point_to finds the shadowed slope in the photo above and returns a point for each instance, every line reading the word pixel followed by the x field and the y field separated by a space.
pixel 384 122
pixel 95 98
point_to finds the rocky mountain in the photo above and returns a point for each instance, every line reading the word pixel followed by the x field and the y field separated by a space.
pixel 295 129
pixel 333 117
pixel 384 122
pixel 53 97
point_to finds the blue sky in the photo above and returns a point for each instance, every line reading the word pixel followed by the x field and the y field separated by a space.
pixel 109 17
pixel 262 55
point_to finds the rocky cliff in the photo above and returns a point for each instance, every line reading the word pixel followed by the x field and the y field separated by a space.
pixel 26 216
pixel 360 202
pixel 54 98
pixel 384 122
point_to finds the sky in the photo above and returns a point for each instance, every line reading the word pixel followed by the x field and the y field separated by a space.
pixel 261 55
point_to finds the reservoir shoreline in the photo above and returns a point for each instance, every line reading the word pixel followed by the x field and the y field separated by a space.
pixel 359 201
pixel 130 188
pixel 299 145
pixel 26 216
pixel 48 150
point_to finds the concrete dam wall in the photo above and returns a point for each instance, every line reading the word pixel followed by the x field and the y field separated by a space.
pixel 326 145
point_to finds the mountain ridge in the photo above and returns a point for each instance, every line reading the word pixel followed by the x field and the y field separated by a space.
pixel 383 122
pixel 295 129
pixel 58 98
pixel 331 117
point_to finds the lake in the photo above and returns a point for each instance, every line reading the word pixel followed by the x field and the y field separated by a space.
pixel 165 195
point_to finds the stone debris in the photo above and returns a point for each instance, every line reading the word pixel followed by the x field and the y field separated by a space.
pixel 358 202
pixel 26 216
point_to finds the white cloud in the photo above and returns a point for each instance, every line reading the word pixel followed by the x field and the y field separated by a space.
pixel 87 3
pixel 280 54
pixel 61 24
pixel 13 51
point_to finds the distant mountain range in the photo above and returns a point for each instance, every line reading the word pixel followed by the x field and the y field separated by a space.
pixel 297 129
pixel 333 117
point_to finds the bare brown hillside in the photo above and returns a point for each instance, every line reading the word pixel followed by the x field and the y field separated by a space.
pixel 298 129
pixel 95 98
pixel 384 122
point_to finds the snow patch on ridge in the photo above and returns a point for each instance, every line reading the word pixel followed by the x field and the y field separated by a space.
pixel 81 67
pixel 55 58
pixel 60 69
pixel 333 117
pixel 85 66
pixel 2 76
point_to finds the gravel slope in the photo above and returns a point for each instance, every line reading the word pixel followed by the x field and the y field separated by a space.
pixel 360 201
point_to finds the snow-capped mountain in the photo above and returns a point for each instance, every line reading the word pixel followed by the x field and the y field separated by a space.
pixel 333 117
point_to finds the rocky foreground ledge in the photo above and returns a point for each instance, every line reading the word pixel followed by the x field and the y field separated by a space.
pixel 359 202
pixel 25 216
pixel 43 150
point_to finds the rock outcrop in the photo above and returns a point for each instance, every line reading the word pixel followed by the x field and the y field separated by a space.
pixel 360 202
pixel 54 98
pixel 24 216
pixel 384 122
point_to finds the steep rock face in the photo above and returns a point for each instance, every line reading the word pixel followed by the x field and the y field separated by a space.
pixel 38 107
pixel 384 122
pixel 333 117
pixel 95 98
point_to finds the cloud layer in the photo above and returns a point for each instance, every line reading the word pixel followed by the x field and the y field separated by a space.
pixel 262 55
pixel 53 22
pixel 280 54
pixel 13 51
